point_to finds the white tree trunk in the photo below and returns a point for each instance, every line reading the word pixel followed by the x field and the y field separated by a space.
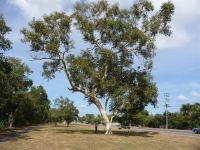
pixel 108 128
pixel 10 124
pixel 95 100
pixel 11 120
pixel 106 119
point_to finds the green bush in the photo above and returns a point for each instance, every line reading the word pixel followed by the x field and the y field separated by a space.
pixel 2 124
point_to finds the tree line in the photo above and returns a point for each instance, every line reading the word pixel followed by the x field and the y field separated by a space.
pixel 187 118
pixel 21 103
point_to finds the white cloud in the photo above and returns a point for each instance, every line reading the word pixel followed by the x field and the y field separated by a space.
pixel 195 94
pixel 182 98
pixel 83 106
pixel 122 3
pixel 37 8
pixel 193 97
pixel 186 13
pixel 178 38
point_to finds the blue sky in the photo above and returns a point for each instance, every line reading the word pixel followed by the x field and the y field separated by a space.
pixel 176 64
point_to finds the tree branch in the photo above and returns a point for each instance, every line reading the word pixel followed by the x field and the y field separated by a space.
pixel 43 58
pixel 105 72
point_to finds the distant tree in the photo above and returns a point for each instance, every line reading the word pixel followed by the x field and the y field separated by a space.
pixel 156 121
pixel 41 103
pixel 34 107
pixel 55 115
pixel 66 110
pixel 187 118
pixel 191 114
pixel 177 121
pixel 139 118
pixel 98 119
pixel 89 118
pixel 108 72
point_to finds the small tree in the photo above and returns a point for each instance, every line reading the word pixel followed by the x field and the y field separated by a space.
pixel 66 110
pixel 88 118
pixel 41 104
pixel 156 121
pixel 133 118
pixel 108 72
pixel 55 115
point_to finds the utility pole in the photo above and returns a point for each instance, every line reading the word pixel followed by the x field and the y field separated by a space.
pixel 166 96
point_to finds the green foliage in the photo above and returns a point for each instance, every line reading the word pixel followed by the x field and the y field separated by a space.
pixel 5 43
pixel 40 101
pixel 2 124
pixel 187 118
pixel 156 121
pixel 139 118
pixel 191 115
pixel 115 68
pixel 34 107
pixel 18 105
pixel 16 83
pixel 5 67
pixel 66 111
pixel 50 36
pixel 177 121
pixel 55 115
pixel 90 119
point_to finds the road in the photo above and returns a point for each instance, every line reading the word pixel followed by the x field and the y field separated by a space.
pixel 166 131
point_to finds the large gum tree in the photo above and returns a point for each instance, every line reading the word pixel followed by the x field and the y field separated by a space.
pixel 114 71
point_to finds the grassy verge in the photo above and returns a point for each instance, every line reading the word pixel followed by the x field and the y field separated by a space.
pixel 82 137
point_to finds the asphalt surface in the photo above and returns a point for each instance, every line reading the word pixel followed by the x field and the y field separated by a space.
pixel 166 131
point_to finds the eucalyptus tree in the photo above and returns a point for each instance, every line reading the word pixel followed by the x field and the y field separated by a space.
pixel 114 71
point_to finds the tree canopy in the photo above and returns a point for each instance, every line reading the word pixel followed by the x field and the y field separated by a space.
pixel 65 111
pixel 5 43
pixel 114 71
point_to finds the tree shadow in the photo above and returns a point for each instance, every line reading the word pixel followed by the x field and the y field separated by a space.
pixel 102 132
pixel 17 133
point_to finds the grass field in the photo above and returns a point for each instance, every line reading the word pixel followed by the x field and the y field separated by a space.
pixel 82 137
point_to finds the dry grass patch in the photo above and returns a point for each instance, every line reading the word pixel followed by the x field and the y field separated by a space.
pixel 82 137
